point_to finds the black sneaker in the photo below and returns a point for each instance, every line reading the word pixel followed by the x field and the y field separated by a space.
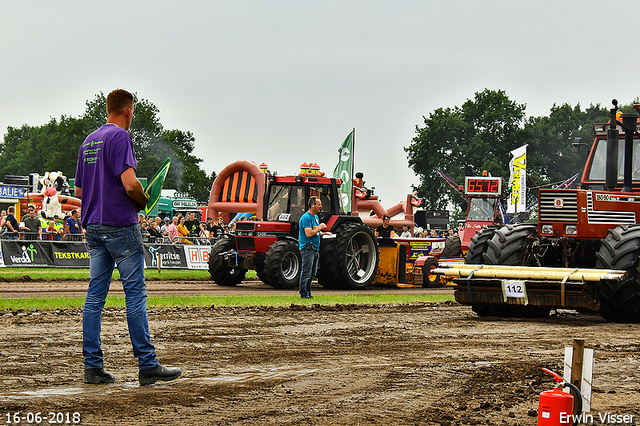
pixel 94 376
pixel 149 377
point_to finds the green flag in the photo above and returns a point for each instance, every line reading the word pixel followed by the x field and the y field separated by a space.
pixel 154 188
pixel 344 170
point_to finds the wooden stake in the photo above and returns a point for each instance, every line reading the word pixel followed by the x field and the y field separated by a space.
pixel 576 370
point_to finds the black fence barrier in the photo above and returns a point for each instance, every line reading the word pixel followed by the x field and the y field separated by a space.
pixel 63 254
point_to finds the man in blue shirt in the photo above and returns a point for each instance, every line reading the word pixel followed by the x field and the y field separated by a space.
pixel 309 241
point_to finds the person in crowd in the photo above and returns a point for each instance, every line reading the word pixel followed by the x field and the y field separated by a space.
pixel 71 227
pixel 309 234
pixel 51 233
pixel 12 232
pixel 193 225
pixel 173 230
pixel 144 229
pixel 406 233
pixel 232 228
pixel 385 230
pixel 164 228
pixel 208 226
pixel 3 222
pixel 154 234
pixel 183 231
pixel 217 229
pixel 111 195
pixel 32 225
pixel 433 234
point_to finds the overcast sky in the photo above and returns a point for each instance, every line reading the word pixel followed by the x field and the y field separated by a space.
pixel 284 82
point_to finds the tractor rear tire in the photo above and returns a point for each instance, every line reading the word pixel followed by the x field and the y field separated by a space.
pixel 430 280
pixel 220 272
pixel 350 260
pixel 452 247
pixel 282 265
pixel 478 246
pixel 620 300
pixel 508 246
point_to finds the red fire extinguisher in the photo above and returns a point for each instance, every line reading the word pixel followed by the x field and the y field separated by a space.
pixel 556 407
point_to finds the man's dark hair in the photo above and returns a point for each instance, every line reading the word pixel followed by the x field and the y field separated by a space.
pixel 118 101
pixel 312 200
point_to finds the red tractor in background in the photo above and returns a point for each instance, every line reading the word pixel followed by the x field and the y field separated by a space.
pixel 594 226
pixel 269 245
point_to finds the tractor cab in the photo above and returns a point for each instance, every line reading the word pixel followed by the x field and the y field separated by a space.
pixel 288 199
pixel 483 194
pixel 594 173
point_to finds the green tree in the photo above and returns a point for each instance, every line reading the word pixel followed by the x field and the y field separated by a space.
pixel 465 141
pixel 54 146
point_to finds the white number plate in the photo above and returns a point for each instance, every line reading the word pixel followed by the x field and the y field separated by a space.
pixel 514 289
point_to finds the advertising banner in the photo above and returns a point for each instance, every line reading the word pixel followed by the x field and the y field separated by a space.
pixel 171 256
pixel 197 256
pixel 70 254
pixel 26 253
pixel 518 181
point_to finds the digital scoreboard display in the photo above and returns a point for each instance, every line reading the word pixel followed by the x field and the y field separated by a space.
pixel 483 185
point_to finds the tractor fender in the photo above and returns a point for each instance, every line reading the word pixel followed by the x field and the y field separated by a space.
pixel 336 220
pixel 420 261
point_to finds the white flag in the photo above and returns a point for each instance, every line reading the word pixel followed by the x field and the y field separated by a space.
pixel 518 180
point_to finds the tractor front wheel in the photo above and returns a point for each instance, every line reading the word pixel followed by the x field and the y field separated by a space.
pixel 620 300
pixel 219 269
pixel 282 265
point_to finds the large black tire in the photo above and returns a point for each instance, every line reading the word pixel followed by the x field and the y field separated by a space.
pixel 430 280
pixel 260 268
pixel 282 265
pixel 478 246
pixel 350 260
pixel 220 272
pixel 620 301
pixel 508 246
pixel 452 247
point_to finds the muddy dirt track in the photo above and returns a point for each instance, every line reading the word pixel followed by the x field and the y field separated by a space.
pixel 424 364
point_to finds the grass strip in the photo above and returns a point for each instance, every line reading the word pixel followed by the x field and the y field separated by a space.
pixel 160 302
pixel 62 274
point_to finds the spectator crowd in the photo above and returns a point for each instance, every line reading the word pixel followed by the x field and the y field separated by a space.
pixel 34 225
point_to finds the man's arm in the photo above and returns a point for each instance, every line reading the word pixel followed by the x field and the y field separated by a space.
pixel 133 186
pixel 310 232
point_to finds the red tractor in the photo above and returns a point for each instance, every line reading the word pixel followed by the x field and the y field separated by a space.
pixel 269 245
pixel 529 269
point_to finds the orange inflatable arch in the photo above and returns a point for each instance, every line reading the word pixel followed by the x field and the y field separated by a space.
pixel 238 188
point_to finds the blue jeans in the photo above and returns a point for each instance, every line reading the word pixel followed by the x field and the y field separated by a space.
pixel 309 269
pixel 108 246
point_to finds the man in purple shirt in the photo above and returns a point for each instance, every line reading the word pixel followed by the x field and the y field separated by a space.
pixel 111 197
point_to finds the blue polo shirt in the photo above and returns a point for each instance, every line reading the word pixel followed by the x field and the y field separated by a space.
pixel 309 220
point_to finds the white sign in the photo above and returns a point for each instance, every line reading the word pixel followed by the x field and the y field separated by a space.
pixel 514 289
pixel 197 256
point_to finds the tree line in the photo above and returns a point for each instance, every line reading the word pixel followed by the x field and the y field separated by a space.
pixel 480 135
pixel 54 147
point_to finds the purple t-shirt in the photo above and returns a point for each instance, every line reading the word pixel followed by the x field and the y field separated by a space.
pixel 104 155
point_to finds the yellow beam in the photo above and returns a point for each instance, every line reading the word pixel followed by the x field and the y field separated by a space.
pixel 529 272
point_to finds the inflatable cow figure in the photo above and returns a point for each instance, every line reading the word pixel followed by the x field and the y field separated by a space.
pixel 53 184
